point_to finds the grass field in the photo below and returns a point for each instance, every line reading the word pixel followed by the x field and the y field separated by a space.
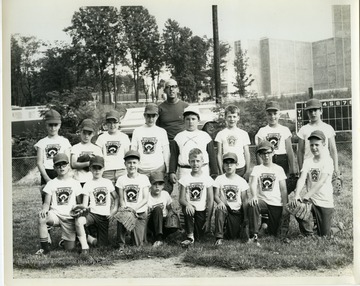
pixel 301 253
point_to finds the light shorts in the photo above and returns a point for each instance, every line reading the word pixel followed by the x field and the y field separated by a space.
pixel 66 223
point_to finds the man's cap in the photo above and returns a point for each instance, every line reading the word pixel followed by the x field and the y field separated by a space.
pixel 156 177
pixel 264 146
pixel 230 155
pixel 132 153
pixel 113 114
pixel 191 110
pixel 60 157
pixel 313 104
pixel 317 134
pixel 52 116
pixel 97 161
pixel 88 124
pixel 272 105
pixel 151 108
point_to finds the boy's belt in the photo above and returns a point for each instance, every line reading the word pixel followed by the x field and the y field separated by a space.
pixel 188 167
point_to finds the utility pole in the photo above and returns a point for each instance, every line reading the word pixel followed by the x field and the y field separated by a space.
pixel 216 54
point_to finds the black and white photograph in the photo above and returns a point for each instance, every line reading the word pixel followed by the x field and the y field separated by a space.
pixel 180 142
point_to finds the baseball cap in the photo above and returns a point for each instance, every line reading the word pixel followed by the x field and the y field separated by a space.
pixel 87 124
pixel 230 155
pixel 313 104
pixel 132 153
pixel 151 108
pixel 52 116
pixel 191 110
pixel 156 177
pixel 264 146
pixel 113 114
pixel 97 161
pixel 60 157
pixel 317 134
pixel 272 105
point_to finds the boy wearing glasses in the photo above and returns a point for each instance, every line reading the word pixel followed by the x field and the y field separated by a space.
pixel 48 147
pixel 114 145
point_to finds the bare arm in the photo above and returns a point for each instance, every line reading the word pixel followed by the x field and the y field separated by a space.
pixel 78 165
pixel 219 151
pixel 253 189
pixel 334 153
pixel 218 199
pixel 209 208
pixel 115 207
pixel 166 155
pixel 247 162
pixel 40 164
pixel 120 192
pixel 301 152
pixel 46 206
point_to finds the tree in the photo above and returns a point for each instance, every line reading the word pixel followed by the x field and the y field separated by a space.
pixel 242 79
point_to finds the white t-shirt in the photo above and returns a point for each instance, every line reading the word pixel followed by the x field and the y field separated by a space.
pixel 234 140
pixel 150 142
pixel 114 147
pixel 307 129
pixel 275 135
pixel 196 190
pixel 133 189
pixel 187 140
pixel 52 146
pixel 99 192
pixel 268 183
pixel 161 201
pixel 63 194
pixel 324 197
pixel 84 149
pixel 231 188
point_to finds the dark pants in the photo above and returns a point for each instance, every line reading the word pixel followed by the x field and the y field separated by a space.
pixel 156 224
pixel 230 220
pixel 274 212
pixel 194 224
pixel 283 161
pixel 241 171
pixel 101 223
pixel 323 218
pixel 137 234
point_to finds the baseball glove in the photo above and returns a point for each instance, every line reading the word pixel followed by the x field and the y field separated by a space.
pixel 172 220
pixel 127 217
pixel 302 210
pixel 337 183
pixel 78 211
pixel 291 182
pixel 84 158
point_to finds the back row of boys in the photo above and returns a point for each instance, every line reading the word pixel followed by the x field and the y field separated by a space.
pixel 193 163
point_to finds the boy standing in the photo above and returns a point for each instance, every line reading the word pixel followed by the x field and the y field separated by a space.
pixel 196 198
pixel 48 147
pixel 316 173
pixel 133 190
pixel 235 140
pixel 114 145
pixel 268 189
pixel 230 196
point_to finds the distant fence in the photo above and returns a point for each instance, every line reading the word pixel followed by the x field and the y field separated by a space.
pixel 24 168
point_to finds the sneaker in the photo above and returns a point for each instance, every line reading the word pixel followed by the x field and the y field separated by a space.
pixel 263 229
pixel 158 243
pixel 219 242
pixel 85 256
pixel 92 240
pixel 285 240
pixel 49 239
pixel 41 252
pixel 255 240
pixel 187 242
pixel 61 243
pixel 121 248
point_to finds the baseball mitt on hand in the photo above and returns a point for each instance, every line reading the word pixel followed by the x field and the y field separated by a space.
pixel 172 220
pixel 302 210
pixel 127 217
pixel 337 183
pixel 79 210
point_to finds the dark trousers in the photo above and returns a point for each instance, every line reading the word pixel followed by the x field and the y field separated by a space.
pixel 99 224
pixel 283 161
pixel 156 224
pixel 137 234
pixel 52 174
pixel 274 212
pixel 194 224
pixel 323 218
pixel 231 221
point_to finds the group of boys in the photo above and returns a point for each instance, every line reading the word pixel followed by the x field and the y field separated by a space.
pixel 115 174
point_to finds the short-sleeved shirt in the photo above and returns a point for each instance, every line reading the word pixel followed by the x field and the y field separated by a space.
pixel 99 192
pixel 161 201
pixel 133 189
pixel 307 129
pixel 63 194
pixel 52 146
pixel 187 140
pixel 80 149
pixel 231 188
pixel 234 140
pixel 114 147
pixel 196 190
pixel 314 170
pixel 268 183
pixel 171 117
pixel 150 143
pixel 275 135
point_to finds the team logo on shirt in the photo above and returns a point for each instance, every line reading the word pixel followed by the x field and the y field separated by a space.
pixel 231 192
pixel 112 147
pixel 63 195
pixel 131 193
pixel 195 190
pixel 149 144
pixel 274 139
pixel 231 139
pixel 315 174
pixel 100 196
pixel 51 150
pixel 267 182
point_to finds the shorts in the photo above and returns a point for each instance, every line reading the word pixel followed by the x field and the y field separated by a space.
pixel 51 173
pixel 66 223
